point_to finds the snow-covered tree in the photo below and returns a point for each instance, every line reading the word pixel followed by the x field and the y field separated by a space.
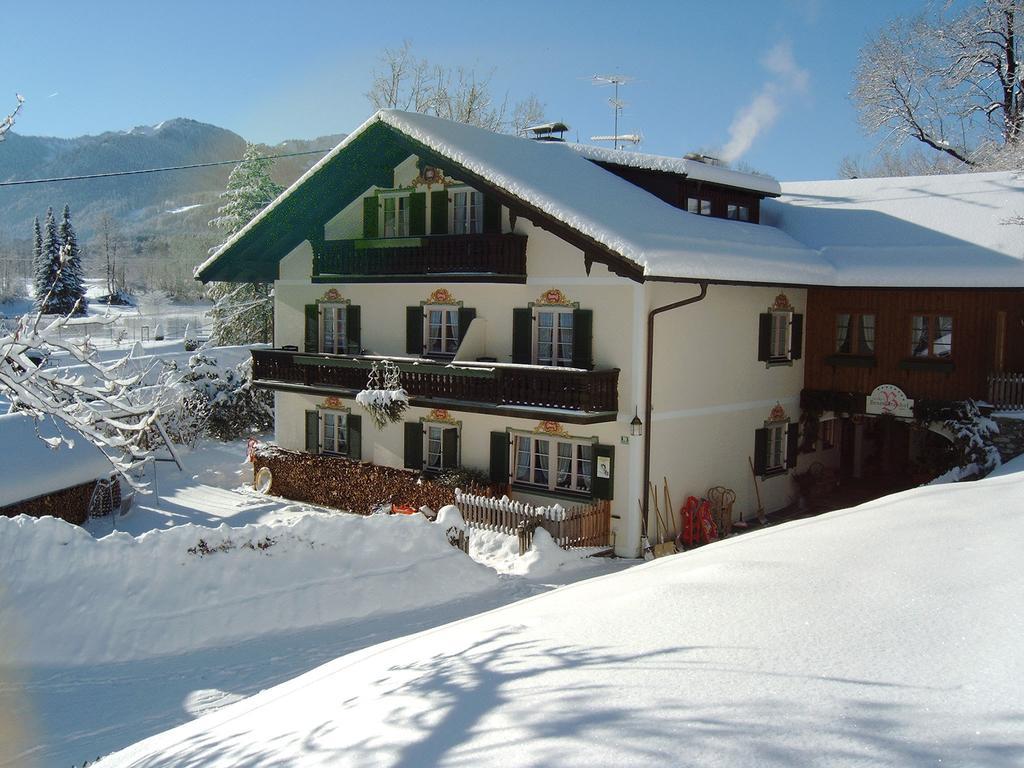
pixel 81 394
pixel 243 313
pixel 42 278
pixel 949 80
pixel 47 265
pixel 70 288
pixel 8 122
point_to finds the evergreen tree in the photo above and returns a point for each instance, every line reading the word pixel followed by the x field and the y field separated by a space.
pixel 72 278
pixel 42 279
pixel 243 313
pixel 47 267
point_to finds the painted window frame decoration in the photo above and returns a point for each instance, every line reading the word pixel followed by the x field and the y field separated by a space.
pixel 396 223
pixel 339 311
pixel 557 305
pixel 449 333
pixel 335 420
pixel 780 333
pixel 776 446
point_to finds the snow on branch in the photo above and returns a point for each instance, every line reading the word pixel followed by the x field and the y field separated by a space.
pixel 8 122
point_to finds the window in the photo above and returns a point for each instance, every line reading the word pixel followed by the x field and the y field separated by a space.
pixel 334 432
pixel 931 336
pixel 442 329
pixel 396 216
pixel 698 205
pixel 776 458
pixel 828 433
pixel 855 334
pixel 780 335
pixel 738 212
pixel 441 448
pixel 332 328
pixel 554 337
pixel 467 213
pixel 553 464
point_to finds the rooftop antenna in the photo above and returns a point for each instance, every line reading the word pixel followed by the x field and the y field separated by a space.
pixel 617 104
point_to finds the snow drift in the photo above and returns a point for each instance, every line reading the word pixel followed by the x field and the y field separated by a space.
pixel 69 599
pixel 888 634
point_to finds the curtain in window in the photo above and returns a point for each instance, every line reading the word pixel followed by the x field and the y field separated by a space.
pixel 943 345
pixel 523 459
pixel 583 459
pixel 563 478
pixel 842 334
pixel 919 336
pixel 867 334
pixel 540 464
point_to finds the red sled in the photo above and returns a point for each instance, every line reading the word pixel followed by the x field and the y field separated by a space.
pixel 696 524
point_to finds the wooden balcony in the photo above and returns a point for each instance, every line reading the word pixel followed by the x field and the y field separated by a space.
pixel 485 257
pixel 533 391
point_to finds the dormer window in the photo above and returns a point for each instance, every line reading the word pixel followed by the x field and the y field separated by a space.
pixel 699 205
pixel 738 212
pixel 467 212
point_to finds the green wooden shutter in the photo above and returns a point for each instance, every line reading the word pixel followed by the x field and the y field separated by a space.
pixel 417 214
pixel 413 445
pixel 792 444
pixel 414 330
pixel 797 338
pixel 760 450
pixel 439 212
pixel 492 215
pixel 466 316
pixel 603 487
pixel 353 330
pixel 313 431
pixel 450 448
pixel 354 422
pixel 522 335
pixel 499 458
pixel 583 338
pixel 370 216
pixel 764 337
pixel 312 328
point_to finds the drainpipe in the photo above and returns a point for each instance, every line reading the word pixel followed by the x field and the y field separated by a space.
pixel 648 407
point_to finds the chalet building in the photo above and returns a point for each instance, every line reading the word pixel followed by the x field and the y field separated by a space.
pixel 578 322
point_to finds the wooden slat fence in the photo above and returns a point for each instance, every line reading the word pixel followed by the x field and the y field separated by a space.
pixel 1006 391
pixel 585 525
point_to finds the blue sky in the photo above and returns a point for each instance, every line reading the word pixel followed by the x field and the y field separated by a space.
pixel 272 71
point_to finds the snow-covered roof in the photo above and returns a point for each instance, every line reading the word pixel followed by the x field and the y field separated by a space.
pixel 32 468
pixel 915 231
pixel 693 169
pixel 660 239
pixel 937 231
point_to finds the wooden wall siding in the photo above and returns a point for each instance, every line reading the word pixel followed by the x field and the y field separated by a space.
pixel 975 327
pixel 674 189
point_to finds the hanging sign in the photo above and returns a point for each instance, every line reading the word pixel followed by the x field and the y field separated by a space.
pixel 889 399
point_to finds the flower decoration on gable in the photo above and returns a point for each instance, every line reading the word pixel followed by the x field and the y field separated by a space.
pixel 331 294
pixel 442 415
pixel 430 175
pixel 782 304
pixel 551 428
pixel 778 413
pixel 334 403
pixel 553 298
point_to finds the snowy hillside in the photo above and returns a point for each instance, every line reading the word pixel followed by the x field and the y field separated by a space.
pixel 887 635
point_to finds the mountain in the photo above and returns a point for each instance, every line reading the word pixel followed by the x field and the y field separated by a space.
pixel 172 203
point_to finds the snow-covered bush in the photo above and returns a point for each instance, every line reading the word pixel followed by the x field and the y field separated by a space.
pixel 219 401
pixel 972 434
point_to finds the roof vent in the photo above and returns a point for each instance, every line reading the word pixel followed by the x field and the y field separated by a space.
pixel 547 131
pixel 699 157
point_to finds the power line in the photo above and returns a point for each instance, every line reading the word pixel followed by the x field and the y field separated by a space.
pixel 151 170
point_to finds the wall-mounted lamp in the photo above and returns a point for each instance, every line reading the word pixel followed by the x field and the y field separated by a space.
pixel 636 427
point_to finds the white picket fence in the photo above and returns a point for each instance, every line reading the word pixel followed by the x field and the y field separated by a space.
pixel 584 525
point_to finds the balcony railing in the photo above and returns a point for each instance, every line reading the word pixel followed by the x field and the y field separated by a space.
pixel 473 383
pixel 1006 391
pixel 484 254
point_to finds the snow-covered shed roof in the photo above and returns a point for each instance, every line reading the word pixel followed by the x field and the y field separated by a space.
pixel 937 231
pixel 914 231
pixel 32 468
pixel 693 169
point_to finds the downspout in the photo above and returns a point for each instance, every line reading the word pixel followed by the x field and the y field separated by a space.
pixel 648 405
